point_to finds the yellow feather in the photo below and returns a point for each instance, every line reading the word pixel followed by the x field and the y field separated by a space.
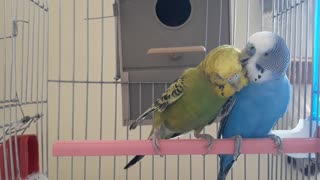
pixel 220 64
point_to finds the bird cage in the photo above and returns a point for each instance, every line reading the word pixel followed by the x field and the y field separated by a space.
pixel 74 74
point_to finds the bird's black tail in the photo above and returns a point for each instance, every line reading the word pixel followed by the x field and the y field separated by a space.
pixel 223 172
pixel 133 161
pixel 137 158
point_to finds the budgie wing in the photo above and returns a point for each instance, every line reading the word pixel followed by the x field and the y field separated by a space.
pixel 172 94
pixel 224 114
pixel 224 111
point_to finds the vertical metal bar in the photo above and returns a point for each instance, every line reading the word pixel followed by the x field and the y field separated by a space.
pixel 190 163
pixel 152 100
pixel 101 78
pixel 248 19
pixel 59 77
pixel 165 156
pixel 274 18
pixel 47 109
pixel 234 23
pixel 127 134
pixel 87 88
pixel 116 78
pixel 12 55
pixel 4 144
pixel 178 167
pixel 294 65
pixel 4 51
pixel 32 49
pixel 14 85
pixel 140 133
pixel 22 50
pixel 220 21
pixel 42 89
pixel 28 52
pixel 17 167
pixel 16 112
pixel 73 78
pixel 306 70
pixel 10 143
pixel 262 8
pixel 206 30
pixel 316 79
pixel 37 75
pixel 115 124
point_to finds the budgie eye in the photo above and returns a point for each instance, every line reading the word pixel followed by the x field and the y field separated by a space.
pixel 266 54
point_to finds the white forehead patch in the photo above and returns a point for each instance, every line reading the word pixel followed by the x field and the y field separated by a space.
pixel 263 41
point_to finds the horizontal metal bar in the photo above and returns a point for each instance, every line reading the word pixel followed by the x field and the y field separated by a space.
pixel 9 101
pixel 180 147
pixel 7 37
pixel 102 82
pixel 288 9
pixel 103 17
pixel 22 104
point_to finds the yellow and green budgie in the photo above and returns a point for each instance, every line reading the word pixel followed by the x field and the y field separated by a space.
pixel 195 99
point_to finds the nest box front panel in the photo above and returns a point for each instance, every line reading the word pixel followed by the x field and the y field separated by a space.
pixel 149 24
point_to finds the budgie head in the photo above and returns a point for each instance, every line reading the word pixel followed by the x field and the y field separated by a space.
pixel 266 57
pixel 223 68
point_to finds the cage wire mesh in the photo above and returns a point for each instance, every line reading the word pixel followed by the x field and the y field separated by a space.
pixel 23 106
pixel 60 80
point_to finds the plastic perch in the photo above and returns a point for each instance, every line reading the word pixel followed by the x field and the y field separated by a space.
pixel 181 147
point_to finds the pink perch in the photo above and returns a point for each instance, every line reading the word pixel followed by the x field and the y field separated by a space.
pixel 182 147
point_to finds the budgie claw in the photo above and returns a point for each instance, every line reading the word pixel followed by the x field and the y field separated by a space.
pixel 277 140
pixel 155 142
pixel 207 137
pixel 238 147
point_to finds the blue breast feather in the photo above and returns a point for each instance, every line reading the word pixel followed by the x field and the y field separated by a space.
pixel 258 108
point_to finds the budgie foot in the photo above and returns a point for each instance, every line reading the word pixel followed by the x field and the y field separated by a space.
pixel 155 142
pixel 238 147
pixel 207 137
pixel 277 140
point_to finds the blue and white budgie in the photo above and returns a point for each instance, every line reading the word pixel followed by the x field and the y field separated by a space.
pixel 258 106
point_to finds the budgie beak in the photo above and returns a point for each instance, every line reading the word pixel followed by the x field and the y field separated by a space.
pixel 235 82
pixel 237 86
pixel 244 57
